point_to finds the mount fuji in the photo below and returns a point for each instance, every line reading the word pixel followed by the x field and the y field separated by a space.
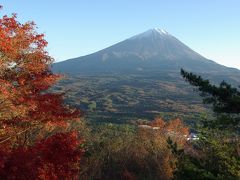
pixel 139 78
pixel 151 51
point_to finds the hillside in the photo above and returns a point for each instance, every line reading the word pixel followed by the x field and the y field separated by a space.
pixel 139 78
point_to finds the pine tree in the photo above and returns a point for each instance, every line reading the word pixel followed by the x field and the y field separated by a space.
pixel 224 98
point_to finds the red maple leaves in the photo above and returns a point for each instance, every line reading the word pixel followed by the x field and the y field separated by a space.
pixel 51 158
pixel 28 149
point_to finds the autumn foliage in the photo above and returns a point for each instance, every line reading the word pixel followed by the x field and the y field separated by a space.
pixel 175 129
pixel 47 159
pixel 139 152
pixel 34 142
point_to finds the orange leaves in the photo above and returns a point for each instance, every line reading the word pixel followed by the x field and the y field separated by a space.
pixel 25 103
pixel 175 125
pixel 158 122
pixel 18 39
pixel 178 127
pixel 21 81
pixel 25 74
pixel 155 136
pixel 8 25
pixel 175 129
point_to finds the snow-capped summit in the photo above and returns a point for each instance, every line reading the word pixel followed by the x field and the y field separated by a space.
pixel 151 32
pixel 161 31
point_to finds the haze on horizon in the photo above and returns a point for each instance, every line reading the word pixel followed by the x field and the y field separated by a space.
pixel 78 28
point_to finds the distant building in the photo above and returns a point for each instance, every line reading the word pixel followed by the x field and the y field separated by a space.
pixel 190 137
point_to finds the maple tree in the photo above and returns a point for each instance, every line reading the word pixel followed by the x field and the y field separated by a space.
pixel 28 110
pixel 174 129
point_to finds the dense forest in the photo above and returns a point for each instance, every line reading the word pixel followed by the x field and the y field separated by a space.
pixel 43 137
pixel 131 97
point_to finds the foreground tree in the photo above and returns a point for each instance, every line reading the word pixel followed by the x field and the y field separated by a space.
pixel 34 141
pixel 216 154
pixel 224 99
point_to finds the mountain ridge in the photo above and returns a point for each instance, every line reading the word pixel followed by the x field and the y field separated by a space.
pixel 151 51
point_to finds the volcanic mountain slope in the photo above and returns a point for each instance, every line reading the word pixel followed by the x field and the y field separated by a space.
pixel 151 51
pixel 139 78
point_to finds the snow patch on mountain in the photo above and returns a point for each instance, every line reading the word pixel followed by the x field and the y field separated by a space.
pixel 154 31
pixel 161 31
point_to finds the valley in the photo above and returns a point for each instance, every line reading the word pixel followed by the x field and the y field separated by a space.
pixel 131 98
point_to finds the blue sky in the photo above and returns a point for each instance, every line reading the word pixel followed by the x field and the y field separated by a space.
pixel 75 28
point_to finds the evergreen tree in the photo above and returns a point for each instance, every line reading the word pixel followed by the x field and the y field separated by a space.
pixel 224 99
